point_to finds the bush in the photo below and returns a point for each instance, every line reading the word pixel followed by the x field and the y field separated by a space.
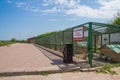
pixel 107 69
pixel 3 43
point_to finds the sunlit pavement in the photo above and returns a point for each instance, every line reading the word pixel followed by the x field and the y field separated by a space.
pixel 26 57
pixel 68 76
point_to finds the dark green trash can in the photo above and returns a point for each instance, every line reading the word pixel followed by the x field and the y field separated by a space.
pixel 68 53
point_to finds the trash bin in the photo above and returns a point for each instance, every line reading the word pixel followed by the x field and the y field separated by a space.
pixel 68 53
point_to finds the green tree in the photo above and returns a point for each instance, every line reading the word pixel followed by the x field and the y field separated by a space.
pixel 13 40
pixel 116 19
pixel 45 34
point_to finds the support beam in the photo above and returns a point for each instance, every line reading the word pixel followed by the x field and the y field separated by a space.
pixel 94 43
pixel 109 38
pixel 101 41
pixel 90 44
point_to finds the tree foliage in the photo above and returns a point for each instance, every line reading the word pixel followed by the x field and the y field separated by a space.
pixel 13 40
pixel 116 19
pixel 45 34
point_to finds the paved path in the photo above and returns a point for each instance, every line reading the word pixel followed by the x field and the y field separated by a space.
pixel 23 57
pixel 68 76
pixel 27 57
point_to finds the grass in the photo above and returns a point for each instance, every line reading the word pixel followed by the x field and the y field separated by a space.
pixel 107 69
pixel 46 73
pixel 3 43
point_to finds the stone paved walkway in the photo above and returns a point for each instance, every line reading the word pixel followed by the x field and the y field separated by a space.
pixel 27 58
pixel 68 76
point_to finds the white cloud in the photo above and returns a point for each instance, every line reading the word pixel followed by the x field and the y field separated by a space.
pixel 34 9
pixel 21 4
pixel 45 4
pixel 84 11
pixel 61 2
pixel 88 12
pixel 52 10
pixel 60 5
pixel 104 8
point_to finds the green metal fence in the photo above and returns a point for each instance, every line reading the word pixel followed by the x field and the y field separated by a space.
pixel 92 38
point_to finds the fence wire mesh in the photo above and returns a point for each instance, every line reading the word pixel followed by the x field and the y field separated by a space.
pixel 101 34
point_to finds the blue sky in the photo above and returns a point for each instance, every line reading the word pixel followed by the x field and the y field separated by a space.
pixel 22 19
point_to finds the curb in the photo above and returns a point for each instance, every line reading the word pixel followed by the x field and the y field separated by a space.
pixel 6 74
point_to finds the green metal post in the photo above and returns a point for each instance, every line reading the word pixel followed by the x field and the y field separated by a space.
pixel 90 44
pixel 94 43
pixel 101 41
pixel 55 41
pixel 63 42
pixel 73 43
pixel 49 41
pixel 63 38
pixel 109 37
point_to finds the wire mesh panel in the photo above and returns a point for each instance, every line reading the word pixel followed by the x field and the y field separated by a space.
pixel 94 36
pixel 68 36
pixel 53 41
pixel 80 46
pixel 115 37
pixel 59 41
pixel 105 34
pixel 59 38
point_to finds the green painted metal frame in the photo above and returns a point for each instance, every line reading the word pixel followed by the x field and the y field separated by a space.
pixel 90 34
pixel 90 44
pixel 101 40
pixel 109 38
pixel 95 44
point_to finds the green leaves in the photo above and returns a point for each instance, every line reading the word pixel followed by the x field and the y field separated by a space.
pixel 116 19
pixel 45 34
pixel 107 69
pixel 3 43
